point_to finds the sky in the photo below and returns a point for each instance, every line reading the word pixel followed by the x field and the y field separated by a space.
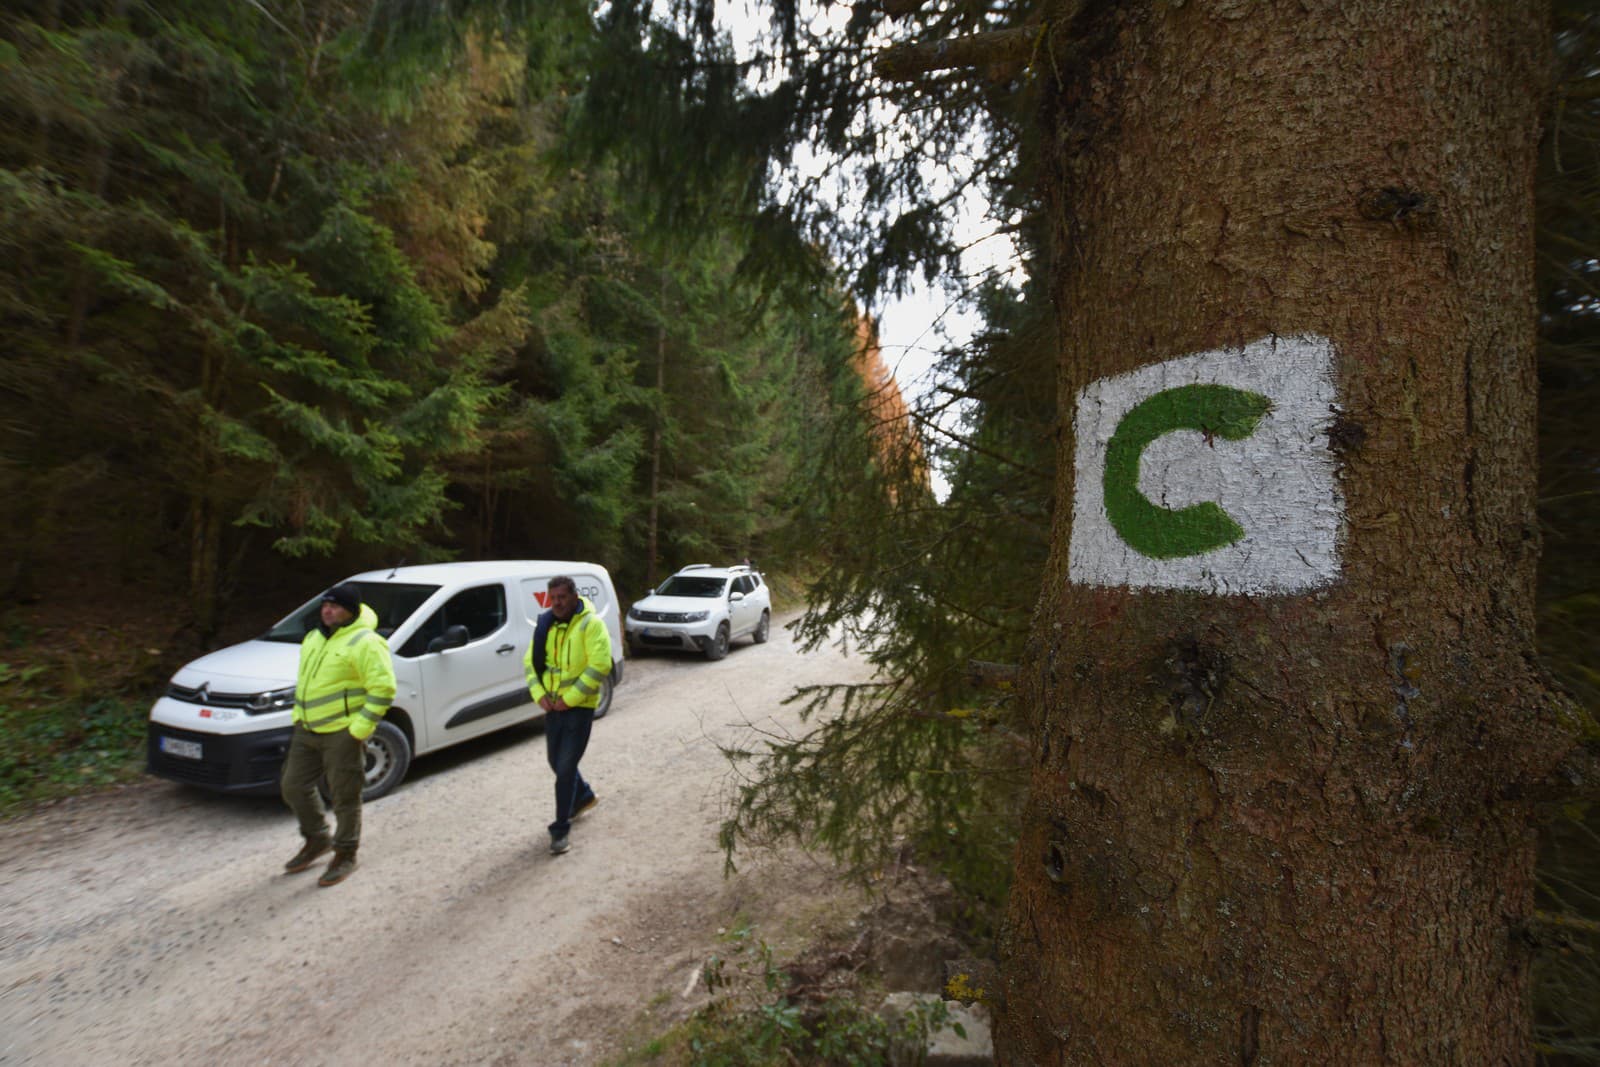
pixel 915 327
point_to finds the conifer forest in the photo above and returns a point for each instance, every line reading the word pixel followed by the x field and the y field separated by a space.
pixel 296 288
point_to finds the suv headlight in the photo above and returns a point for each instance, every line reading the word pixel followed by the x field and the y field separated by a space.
pixel 696 616
pixel 633 612
pixel 277 700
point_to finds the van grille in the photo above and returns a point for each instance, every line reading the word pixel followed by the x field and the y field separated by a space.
pixel 205 696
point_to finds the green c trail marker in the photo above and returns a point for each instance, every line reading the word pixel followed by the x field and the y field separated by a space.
pixel 1164 533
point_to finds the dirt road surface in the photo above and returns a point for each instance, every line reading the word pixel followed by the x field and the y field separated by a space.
pixel 154 925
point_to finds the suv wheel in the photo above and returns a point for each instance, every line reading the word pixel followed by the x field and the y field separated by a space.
pixel 717 647
pixel 760 636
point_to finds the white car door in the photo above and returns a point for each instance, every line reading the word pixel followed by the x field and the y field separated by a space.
pixel 469 657
pixel 744 611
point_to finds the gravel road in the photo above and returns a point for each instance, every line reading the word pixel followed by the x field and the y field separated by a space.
pixel 153 925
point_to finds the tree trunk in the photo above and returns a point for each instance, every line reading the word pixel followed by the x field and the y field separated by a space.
pixel 1275 814
pixel 205 533
pixel 652 549
pixel 205 519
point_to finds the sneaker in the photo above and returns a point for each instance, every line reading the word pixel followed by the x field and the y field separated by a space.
pixel 587 805
pixel 307 856
pixel 342 867
pixel 558 845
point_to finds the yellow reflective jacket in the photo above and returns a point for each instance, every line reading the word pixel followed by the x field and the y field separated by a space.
pixel 577 659
pixel 346 679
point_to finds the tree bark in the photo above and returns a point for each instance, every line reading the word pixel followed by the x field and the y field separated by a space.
pixel 205 519
pixel 653 522
pixel 1291 827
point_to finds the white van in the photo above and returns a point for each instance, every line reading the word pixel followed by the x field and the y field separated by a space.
pixel 458 632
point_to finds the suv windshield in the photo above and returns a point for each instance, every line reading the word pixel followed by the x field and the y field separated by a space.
pixel 683 585
pixel 394 602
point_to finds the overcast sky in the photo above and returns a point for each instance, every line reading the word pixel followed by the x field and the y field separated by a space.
pixel 914 328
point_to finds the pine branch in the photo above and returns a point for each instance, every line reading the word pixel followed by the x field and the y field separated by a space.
pixel 986 675
pixel 899 9
pixel 974 446
pixel 1002 53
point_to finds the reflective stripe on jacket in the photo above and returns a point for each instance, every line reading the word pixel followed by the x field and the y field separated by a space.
pixel 577 659
pixel 346 680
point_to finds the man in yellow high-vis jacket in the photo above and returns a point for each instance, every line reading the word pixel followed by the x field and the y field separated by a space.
pixel 567 665
pixel 345 685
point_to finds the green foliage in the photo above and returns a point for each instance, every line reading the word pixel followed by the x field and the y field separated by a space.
pixel 335 284
pixel 218 287
pixel 921 588
pixel 839 1032
pixel 659 398
pixel 1569 364
pixel 1567 966
pixel 62 748
pixel 879 208
pixel 752 1022
pixel 1566 972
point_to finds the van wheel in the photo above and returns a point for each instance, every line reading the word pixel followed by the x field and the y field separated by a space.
pixel 717 647
pixel 388 759
pixel 604 706
pixel 762 628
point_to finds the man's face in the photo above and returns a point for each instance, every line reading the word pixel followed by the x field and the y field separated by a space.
pixel 563 601
pixel 333 616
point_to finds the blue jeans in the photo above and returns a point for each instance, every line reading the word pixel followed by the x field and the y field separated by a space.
pixel 566 736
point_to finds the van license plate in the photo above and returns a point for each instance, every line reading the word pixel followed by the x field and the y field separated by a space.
pixel 172 746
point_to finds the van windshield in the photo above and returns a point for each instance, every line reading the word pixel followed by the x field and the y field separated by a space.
pixel 679 585
pixel 394 603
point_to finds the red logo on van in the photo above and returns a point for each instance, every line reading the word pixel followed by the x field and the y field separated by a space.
pixel 542 599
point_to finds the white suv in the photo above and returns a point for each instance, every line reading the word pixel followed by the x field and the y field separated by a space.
pixel 702 608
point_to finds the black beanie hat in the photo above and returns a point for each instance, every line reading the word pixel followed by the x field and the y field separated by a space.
pixel 345 595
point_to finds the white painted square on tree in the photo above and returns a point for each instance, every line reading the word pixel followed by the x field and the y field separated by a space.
pixel 1279 483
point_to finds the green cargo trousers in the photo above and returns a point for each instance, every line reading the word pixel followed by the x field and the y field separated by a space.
pixel 344 760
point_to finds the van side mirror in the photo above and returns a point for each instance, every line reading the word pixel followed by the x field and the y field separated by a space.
pixel 453 637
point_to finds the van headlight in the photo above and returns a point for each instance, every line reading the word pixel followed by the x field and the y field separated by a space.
pixel 277 700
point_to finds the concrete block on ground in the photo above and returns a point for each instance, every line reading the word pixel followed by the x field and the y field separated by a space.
pixel 945 1047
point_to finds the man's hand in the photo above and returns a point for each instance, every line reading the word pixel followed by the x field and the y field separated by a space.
pixel 544 703
pixel 557 704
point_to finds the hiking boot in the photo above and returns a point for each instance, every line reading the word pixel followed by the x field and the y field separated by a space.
pixel 558 845
pixel 307 856
pixel 342 867
pixel 587 805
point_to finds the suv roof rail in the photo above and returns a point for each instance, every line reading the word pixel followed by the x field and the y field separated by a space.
pixel 739 568
pixel 694 567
